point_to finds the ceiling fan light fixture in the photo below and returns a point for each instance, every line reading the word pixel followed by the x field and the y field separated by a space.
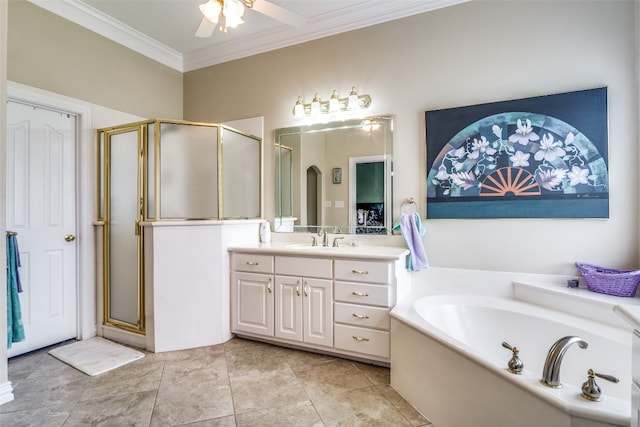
pixel 211 10
pixel 233 11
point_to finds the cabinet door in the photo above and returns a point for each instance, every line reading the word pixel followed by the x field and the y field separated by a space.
pixel 252 303
pixel 318 311
pixel 288 308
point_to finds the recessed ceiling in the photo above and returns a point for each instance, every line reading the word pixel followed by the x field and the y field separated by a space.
pixel 164 29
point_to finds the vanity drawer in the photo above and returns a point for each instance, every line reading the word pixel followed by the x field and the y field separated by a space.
pixel 364 271
pixel 252 263
pixel 362 340
pixel 361 315
pixel 361 293
pixel 304 267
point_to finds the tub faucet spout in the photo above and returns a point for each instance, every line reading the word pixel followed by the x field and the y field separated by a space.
pixel 551 370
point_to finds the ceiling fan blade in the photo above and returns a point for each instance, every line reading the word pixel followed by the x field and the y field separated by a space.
pixel 279 13
pixel 205 29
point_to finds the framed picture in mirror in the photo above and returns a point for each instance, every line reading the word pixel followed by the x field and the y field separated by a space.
pixel 337 175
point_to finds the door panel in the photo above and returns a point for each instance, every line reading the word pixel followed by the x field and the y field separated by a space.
pixel 318 312
pixel 41 207
pixel 288 308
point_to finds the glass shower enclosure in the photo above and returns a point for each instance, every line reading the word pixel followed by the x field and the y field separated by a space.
pixel 166 170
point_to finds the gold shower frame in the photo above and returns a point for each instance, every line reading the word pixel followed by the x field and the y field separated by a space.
pixel 104 195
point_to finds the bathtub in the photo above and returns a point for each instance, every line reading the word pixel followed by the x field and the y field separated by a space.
pixel 448 362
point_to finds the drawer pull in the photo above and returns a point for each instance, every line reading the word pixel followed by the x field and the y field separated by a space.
pixel 269 286
pixel 360 316
pixel 359 271
pixel 252 263
pixel 357 338
pixel 359 294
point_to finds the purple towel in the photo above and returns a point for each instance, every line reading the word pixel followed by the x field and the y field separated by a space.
pixel 412 231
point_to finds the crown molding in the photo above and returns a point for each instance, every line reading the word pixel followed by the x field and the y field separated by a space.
pixel 332 23
pixel 92 19
pixel 343 20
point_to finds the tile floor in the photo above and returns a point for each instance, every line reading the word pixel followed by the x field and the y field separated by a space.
pixel 239 383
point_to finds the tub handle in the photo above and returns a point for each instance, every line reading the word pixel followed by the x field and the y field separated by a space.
pixel 357 338
pixel 359 294
pixel 360 316
pixel 591 390
pixel 515 365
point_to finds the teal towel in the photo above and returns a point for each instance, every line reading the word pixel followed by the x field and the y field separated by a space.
pixel 15 328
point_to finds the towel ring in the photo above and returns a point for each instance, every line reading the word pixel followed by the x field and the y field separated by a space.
pixel 409 203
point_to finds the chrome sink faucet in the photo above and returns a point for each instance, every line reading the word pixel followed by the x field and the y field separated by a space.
pixel 551 370
pixel 325 237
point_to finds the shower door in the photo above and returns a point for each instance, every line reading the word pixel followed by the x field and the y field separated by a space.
pixel 121 209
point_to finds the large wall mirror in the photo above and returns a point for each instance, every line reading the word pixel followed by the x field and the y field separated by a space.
pixel 335 176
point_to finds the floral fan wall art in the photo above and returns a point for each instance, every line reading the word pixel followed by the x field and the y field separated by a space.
pixel 542 157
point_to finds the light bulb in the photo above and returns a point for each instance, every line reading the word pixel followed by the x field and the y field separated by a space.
pixel 298 109
pixel 233 11
pixel 315 106
pixel 353 103
pixel 334 103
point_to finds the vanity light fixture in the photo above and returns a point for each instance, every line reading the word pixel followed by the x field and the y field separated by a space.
pixel 334 105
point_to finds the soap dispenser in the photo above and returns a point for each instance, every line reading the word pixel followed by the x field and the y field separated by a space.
pixel 265 232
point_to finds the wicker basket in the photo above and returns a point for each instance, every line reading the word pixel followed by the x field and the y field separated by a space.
pixel 621 283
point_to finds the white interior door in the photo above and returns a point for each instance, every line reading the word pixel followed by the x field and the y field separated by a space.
pixel 41 208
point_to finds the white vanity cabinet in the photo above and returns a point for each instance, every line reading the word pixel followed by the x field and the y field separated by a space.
pixel 252 294
pixel 327 300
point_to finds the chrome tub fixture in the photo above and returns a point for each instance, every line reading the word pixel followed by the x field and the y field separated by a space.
pixel 551 370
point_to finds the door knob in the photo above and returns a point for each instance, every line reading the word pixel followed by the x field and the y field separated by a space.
pixel 69 238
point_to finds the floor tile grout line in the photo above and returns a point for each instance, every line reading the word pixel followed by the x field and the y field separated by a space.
pixel 233 401
pixel 155 400
pixel 307 393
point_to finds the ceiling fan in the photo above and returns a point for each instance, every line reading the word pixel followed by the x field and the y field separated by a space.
pixel 228 13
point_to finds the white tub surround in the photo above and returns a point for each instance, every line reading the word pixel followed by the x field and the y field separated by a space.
pixel 446 354
pixel 326 299
pixel 187 281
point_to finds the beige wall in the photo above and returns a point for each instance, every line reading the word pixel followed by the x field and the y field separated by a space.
pixel 53 54
pixel 471 53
